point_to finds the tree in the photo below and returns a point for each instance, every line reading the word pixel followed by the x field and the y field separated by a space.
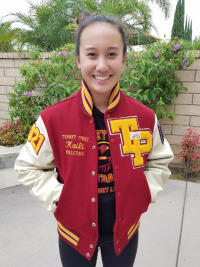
pixel 190 36
pixel 49 23
pixel 182 18
pixel 135 14
pixel 186 29
pixel 165 6
pixel 7 36
pixel 179 29
pixel 178 25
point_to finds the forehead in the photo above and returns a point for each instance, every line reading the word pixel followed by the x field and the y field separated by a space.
pixel 100 34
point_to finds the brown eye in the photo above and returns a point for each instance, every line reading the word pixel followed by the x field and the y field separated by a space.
pixel 91 55
pixel 112 54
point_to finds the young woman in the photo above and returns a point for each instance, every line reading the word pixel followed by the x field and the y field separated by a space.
pixel 98 158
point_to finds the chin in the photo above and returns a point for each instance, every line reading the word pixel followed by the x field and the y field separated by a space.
pixel 102 89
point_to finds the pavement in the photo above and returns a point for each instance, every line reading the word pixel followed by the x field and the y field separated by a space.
pixel 8 177
pixel 169 235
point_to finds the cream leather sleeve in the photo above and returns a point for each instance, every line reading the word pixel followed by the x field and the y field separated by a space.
pixel 36 167
pixel 156 169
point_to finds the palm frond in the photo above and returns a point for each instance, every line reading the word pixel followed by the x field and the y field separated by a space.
pixel 26 20
pixel 165 6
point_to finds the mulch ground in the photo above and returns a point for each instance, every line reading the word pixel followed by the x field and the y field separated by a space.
pixel 179 174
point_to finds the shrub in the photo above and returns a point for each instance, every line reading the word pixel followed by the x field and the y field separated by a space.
pixel 189 152
pixel 150 75
pixel 45 82
pixel 13 133
pixel 194 45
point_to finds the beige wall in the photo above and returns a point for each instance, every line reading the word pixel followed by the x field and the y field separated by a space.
pixel 9 72
pixel 187 108
pixel 186 105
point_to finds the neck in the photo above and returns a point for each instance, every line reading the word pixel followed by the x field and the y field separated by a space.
pixel 101 102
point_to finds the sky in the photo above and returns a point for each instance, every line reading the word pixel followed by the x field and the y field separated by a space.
pixel 164 26
pixel 192 9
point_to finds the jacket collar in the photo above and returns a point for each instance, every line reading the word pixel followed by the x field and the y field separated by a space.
pixel 87 98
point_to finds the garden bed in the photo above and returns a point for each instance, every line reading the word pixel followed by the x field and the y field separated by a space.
pixel 178 174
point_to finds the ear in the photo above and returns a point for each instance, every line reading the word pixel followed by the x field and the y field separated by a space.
pixel 78 62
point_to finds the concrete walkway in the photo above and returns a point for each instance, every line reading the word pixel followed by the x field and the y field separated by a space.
pixel 169 231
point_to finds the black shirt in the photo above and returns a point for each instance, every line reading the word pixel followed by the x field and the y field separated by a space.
pixel 106 184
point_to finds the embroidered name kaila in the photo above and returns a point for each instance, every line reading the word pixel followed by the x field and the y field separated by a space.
pixel 135 141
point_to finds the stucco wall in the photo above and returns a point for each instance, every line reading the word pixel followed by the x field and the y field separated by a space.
pixel 186 105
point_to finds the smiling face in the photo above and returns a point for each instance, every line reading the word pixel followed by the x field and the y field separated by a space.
pixel 101 58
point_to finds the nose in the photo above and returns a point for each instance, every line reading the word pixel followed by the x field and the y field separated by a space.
pixel 102 65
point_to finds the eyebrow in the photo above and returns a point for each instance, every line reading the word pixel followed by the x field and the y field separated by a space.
pixel 109 48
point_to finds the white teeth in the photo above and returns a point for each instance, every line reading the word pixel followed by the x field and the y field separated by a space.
pixel 101 78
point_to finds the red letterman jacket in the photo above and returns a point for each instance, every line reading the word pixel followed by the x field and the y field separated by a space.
pixel 140 161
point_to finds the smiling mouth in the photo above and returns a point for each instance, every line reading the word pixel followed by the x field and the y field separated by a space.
pixel 101 78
